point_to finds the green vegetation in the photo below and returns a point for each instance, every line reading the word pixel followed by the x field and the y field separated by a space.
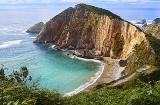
pixel 144 90
pixel 155 44
pixel 100 11
pixel 153 29
pixel 142 56
pixel 117 45
pixel 15 91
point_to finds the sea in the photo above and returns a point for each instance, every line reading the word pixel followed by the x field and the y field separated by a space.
pixel 54 70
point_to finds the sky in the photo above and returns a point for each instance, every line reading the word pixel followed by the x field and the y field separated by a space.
pixel 72 3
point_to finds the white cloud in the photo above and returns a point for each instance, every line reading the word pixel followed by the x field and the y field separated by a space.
pixel 71 1
pixel 131 1
pixel 74 0
pixel 24 1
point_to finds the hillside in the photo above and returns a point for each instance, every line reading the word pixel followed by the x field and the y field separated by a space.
pixel 95 30
pixel 99 33
pixel 153 29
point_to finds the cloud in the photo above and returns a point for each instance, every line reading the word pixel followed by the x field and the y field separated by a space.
pixel 24 1
pixel 129 1
pixel 74 0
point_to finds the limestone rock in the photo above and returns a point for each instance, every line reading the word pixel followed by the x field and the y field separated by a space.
pixel 93 30
pixel 36 28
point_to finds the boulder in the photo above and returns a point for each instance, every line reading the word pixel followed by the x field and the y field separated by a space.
pixel 70 48
pixel 123 63
pixel 156 21
pixel 36 28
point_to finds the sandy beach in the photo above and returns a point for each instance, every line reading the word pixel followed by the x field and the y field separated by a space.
pixel 112 71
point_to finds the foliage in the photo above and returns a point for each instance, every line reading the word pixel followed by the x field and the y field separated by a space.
pixel 138 92
pixel 15 91
pixel 117 45
pixel 153 29
pixel 100 11
pixel 155 43
pixel 143 55
pixel 142 94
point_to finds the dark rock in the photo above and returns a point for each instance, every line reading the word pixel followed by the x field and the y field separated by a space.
pixel 57 48
pixel 141 22
pixel 70 48
pixel 123 63
pixel 36 28
pixel 156 21
pixel 88 55
pixel 144 25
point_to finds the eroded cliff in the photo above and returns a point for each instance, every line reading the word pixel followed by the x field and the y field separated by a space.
pixel 97 31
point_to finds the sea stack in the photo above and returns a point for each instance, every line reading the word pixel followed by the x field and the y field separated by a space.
pixel 36 28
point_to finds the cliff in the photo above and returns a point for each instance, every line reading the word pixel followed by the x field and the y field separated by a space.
pixel 36 28
pixel 97 31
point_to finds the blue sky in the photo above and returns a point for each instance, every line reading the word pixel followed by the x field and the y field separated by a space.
pixel 68 3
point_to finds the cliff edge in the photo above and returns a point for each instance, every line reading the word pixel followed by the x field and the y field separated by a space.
pixel 97 31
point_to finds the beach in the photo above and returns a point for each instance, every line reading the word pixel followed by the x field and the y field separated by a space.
pixel 112 71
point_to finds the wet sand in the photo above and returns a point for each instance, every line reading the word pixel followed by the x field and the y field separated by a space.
pixel 111 72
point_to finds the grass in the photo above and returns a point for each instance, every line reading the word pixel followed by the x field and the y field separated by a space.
pixel 100 11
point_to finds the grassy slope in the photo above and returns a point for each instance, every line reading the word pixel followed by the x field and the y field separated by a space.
pixel 153 29
pixel 100 11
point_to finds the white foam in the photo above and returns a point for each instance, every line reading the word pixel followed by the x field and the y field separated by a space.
pixel 10 43
pixel 53 46
pixel 92 81
pixel 33 37
pixel 84 59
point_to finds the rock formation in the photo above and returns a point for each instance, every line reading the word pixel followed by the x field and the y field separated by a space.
pixel 96 31
pixel 153 29
pixel 156 21
pixel 36 28
pixel 143 21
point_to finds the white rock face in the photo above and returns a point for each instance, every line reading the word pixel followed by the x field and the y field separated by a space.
pixel 36 28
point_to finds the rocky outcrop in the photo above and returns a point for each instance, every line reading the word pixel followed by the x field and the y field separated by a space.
pixel 153 29
pixel 96 31
pixel 143 21
pixel 156 21
pixel 36 28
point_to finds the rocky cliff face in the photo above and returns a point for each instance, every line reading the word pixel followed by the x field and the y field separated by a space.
pixel 95 30
pixel 36 28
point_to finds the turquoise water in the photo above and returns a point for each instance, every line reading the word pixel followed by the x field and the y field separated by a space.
pixel 54 69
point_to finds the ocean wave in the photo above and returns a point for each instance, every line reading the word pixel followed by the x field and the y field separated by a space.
pixel 84 59
pixel 10 43
pixel 135 21
pixel 33 37
pixel 92 81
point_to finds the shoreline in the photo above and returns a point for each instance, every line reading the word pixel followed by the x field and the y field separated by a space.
pixel 112 71
pixel 91 81
pixel 109 71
